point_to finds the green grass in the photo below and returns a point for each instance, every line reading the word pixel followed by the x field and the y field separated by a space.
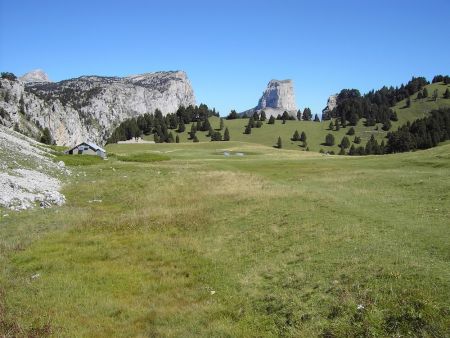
pixel 420 108
pixel 316 131
pixel 274 243
pixel 142 157
pixel 79 160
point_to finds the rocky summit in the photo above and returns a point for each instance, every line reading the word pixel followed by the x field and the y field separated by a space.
pixel 89 107
pixel 37 75
pixel 278 97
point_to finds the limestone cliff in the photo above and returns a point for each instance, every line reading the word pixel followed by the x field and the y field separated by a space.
pixel 89 107
pixel 277 98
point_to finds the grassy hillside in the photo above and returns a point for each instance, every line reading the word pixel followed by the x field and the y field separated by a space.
pixel 316 131
pixel 272 243
pixel 419 108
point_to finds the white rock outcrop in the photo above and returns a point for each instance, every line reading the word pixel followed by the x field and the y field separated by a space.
pixel 278 97
pixel 28 175
pixel 37 75
pixel 89 107
pixel 331 104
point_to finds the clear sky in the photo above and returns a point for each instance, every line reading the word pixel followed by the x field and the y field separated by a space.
pixel 231 49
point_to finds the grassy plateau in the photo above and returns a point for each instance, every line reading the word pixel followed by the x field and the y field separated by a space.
pixel 262 242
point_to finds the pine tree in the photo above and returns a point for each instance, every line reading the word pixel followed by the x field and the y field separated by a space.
pixel 279 143
pixel 307 114
pixel 352 150
pixel 408 102
pixel 425 93
pixel 193 131
pixel 177 139
pixel 226 135
pixel 271 120
pixel 447 94
pixel 248 129
pixel 345 143
pixel 303 137
pixel 338 126
pixel 221 124
pixel 329 140
pixel 195 138
pixel 216 136
pixel 316 118
pixel 181 127
pixel 299 114
pixel 46 136
pixel 296 136
pixel 251 122
pixel 357 140
pixel 386 125
pixel 284 121
pixel 419 96
pixel 262 116
pixel 342 151
pixel 435 95
pixel 331 125
pixel 351 131
pixel 170 138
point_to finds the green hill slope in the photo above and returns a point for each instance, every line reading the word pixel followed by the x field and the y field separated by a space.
pixel 316 131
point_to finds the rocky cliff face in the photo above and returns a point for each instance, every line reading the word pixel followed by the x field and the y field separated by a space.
pixel 278 97
pixel 331 104
pixel 89 107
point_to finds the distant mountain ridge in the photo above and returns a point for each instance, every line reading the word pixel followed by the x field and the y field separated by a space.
pixel 88 107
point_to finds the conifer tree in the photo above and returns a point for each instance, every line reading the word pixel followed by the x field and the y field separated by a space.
pixel 296 136
pixel 329 140
pixel 195 139
pixel 248 129
pixel 316 118
pixel 345 143
pixel 193 131
pixel 279 143
pixel 351 131
pixel 435 95
pixel 262 116
pixel 271 120
pixel 177 139
pixel 221 124
pixel 170 138
pixel 226 135
pixel 303 137
pixel 408 102
pixel 425 93
pixel 331 125
pixel 352 150
pixel 181 126
pixel 447 94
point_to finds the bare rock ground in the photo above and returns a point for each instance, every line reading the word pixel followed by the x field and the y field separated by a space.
pixel 29 177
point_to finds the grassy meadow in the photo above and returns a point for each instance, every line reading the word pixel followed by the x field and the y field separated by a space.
pixel 178 240
pixel 316 131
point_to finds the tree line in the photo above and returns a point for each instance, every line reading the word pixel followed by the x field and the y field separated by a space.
pixel 306 115
pixel 373 106
pixel 162 126
pixel 421 134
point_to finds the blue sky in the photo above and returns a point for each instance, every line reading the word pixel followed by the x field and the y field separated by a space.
pixel 231 49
